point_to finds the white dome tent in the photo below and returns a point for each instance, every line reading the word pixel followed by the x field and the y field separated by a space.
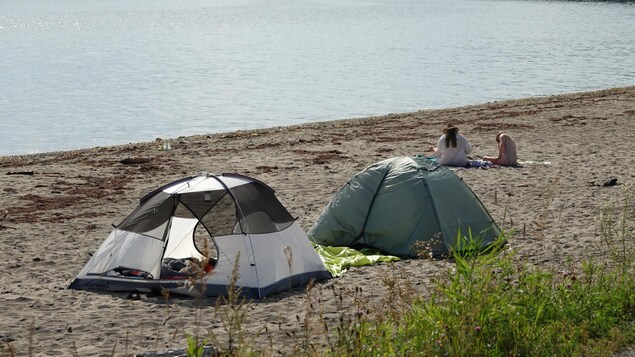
pixel 229 215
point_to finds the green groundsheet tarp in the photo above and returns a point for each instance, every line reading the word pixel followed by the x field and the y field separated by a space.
pixel 338 259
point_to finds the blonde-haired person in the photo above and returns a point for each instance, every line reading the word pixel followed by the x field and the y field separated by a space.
pixel 452 148
pixel 506 151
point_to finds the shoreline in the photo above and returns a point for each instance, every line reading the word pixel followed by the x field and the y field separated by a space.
pixel 52 220
pixel 314 124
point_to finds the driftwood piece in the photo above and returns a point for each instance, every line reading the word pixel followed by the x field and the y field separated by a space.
pixel 135 160
pixel 30 173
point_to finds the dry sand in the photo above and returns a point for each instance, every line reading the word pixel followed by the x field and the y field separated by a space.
pixel 50 221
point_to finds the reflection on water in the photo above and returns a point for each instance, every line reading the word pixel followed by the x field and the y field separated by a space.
pixel 97 72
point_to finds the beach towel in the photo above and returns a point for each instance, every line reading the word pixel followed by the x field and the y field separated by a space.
pixel 472 164
pixel 338 259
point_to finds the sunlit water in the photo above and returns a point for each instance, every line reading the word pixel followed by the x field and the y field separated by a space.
pixel 84 73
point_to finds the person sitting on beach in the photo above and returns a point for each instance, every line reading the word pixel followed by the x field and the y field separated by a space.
pixel 452 148
pixel 506 151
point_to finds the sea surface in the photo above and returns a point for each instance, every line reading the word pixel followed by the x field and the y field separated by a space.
pixel 84 73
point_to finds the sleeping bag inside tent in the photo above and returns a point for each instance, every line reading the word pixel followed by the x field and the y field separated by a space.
pixel 395 203
pixel 199 229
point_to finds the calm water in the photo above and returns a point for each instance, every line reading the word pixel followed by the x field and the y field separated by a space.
pixel 83 73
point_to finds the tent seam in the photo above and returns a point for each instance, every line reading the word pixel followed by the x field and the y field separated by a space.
pixel 370 206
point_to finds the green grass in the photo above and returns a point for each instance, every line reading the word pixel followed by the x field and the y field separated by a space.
pixel 486 307
pixel 490 305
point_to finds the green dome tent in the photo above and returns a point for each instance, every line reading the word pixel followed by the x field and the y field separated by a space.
pixel 398 202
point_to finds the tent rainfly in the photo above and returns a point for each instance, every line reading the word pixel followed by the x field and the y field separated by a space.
pixel 395 203
pixel 224 220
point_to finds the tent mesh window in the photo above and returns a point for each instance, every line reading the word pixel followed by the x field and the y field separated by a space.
pixel 151 217
pixel 222 219
pixel 215 209
pixel 261 210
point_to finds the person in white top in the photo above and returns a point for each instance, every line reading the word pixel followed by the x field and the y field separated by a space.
pixel 452 148
pixel 506 151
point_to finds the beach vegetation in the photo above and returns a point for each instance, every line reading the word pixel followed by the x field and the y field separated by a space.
pixel 231 310
pixel 195 346
pixel 493 304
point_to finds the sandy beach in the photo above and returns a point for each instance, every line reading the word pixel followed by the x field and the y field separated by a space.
pixel 57 208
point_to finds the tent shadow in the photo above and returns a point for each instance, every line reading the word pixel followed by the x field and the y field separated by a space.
pixel 157 298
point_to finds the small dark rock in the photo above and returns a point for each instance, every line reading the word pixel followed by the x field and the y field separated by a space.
pixel 610 182
pixel 6 338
